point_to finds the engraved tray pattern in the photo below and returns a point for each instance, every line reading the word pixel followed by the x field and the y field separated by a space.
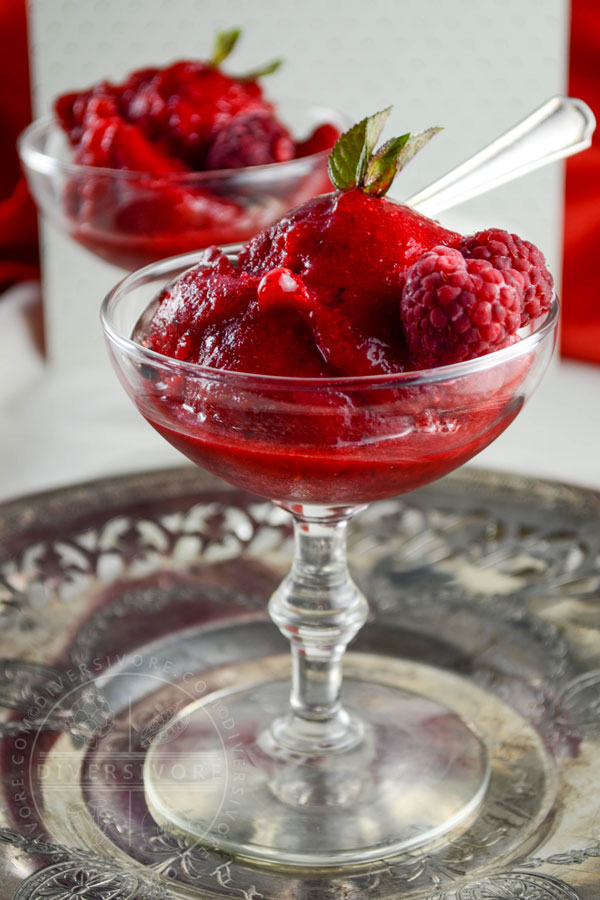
pixel 492 578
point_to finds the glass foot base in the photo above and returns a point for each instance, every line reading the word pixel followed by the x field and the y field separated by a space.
pixel 217 774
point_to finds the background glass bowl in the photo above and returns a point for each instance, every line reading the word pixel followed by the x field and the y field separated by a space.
pixel 133 218
pixel 331 442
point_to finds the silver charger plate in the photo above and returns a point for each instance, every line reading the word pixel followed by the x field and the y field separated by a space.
pixel 122 599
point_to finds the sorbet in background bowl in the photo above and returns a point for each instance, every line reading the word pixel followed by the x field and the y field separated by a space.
pixel 175 159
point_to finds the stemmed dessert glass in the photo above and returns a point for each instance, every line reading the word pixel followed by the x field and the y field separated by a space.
pixel 318 776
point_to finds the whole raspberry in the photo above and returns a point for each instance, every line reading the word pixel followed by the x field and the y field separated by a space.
pixel 250 140
pixel 454 309
pixel 507 251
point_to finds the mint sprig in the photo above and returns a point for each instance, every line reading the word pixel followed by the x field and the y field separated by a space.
pixel 382 166
pixel 354 162
pixel 415 143
pixel 225 41
pixel 267 69
pixel 352 151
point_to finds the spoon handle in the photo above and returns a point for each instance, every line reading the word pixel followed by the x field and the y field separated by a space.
pixel 560 127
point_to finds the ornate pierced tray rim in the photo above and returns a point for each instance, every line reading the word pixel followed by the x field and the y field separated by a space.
pixel 39 510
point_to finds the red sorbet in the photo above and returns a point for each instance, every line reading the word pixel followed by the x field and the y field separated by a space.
pixel 320 289
pixel 162 125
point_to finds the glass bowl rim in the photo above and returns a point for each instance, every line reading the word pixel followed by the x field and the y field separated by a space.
pixel 45 163
pixel 183 262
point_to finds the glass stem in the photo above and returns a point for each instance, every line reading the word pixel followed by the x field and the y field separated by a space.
pixel 319 609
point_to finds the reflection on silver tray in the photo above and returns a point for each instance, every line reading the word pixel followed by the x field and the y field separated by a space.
pixel 122 599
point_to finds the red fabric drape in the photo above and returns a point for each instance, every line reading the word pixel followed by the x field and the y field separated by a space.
pixel 581 289
pixel 18 224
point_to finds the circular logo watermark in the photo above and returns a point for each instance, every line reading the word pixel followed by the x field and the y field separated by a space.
pixel 113 738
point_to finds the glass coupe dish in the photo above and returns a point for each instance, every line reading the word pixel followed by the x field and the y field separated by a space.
pixel 133 218
pixel 322 776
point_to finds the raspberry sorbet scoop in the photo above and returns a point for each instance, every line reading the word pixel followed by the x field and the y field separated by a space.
pixel 352 284
pixel 186 117
pixel 179 158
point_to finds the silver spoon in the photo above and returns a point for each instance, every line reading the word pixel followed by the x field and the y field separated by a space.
pixel 560 127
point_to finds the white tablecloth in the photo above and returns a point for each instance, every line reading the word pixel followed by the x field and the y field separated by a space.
pixel 58 428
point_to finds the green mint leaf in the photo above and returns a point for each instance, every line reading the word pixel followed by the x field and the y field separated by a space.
pixel 268 69
pixel 350 156
pixel 374 127
pixel 382 167
pixel 225 41
pixel 415 143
